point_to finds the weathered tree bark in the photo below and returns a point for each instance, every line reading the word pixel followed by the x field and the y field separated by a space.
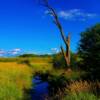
pixel 52 12
pixel 67 53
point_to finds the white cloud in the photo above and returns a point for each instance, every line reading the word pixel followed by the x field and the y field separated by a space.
pixel 2 52
pixel 10 52
pixel 55 50
pixel 76 14
pixel 65 15
pixel 14 51
pixel 17 49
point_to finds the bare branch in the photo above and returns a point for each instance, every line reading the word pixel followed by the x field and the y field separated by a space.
pixel 52 12
pixel 56 19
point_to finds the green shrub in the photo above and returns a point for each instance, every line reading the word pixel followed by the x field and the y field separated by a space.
pixel 81 96
pixel 59 61
pixel 89 50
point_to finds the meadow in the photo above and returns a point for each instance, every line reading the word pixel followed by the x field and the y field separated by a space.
pixel 16 76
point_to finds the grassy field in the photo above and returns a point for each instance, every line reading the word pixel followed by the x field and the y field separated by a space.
pixel 16 75
pixel 14 78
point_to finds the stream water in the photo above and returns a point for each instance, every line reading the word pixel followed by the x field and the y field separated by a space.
pixel 40 90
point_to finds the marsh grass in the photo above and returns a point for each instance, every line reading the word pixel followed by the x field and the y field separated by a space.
pixel 76 90
pixel 81 96
pixel 16 75
pixel 83 86
pixel 83 90
pixel 14 78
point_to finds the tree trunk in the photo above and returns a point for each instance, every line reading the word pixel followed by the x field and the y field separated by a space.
pixel 66 53
pixel 53 13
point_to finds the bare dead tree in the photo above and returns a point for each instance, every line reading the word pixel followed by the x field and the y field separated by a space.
pixel 52 12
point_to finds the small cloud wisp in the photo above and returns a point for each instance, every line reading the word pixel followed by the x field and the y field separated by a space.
pixel 76 14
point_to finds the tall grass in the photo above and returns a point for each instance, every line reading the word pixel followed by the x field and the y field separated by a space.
pixel 16 75
pixel 83 86
pixel 81 96
pixel 83 90
pixel 14 78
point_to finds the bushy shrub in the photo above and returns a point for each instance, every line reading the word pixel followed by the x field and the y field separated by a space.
pixel 59 61
pixel 89 50
pixel 25 61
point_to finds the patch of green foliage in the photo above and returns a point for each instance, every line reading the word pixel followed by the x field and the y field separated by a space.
pixel 89 50
pixel 81 96
pixel 59 61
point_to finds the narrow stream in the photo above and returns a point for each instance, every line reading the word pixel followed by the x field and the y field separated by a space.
pixel 40 90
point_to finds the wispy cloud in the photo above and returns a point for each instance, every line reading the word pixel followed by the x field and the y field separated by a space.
pixel 55 50
pixel 2 52
pixel 17 49
pixel 76 14
pixel 10 52
pixel 14 51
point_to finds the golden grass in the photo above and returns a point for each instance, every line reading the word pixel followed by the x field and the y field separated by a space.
pixel 16 76
pixel 82 86
pixel 42 67
pixel 13 79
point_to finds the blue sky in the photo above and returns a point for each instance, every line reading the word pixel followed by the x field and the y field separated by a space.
pixel 25 25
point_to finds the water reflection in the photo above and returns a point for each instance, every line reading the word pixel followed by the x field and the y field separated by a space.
pixel 40 90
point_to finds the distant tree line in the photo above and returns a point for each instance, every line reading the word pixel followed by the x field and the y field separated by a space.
pixel 34 55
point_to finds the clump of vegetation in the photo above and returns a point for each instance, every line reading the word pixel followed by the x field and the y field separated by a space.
pixel 89 50
pixel 83 86
pixel 80 96
pixel 59 61
pixel 14 79
pixel 25 61
pixel 75 90
pixel 82 90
